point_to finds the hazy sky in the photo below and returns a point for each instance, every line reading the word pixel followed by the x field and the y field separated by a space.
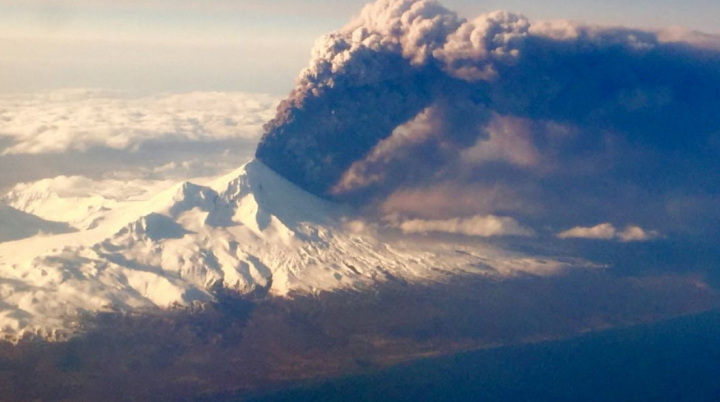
pixel 224 45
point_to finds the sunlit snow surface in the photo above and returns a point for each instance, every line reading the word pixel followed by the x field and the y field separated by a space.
pixel 249 231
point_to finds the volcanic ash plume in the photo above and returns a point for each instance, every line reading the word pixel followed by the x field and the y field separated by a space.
pixel 383 69
pixel 409 95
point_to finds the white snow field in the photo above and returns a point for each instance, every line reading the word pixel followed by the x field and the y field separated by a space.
pixel 248 231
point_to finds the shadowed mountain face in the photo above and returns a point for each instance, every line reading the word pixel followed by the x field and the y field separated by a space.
pixel 16 225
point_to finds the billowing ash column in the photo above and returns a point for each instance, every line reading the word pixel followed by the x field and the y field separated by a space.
pixel 375 74
pixel 409 96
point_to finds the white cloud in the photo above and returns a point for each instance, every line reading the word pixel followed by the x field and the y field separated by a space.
pixel 699 39
pixel 636 233
pixel 480 226
pixel 607 231
pixel 604 231
pixel 79 120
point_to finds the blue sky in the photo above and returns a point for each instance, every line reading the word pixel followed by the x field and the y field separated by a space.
pixel 224 45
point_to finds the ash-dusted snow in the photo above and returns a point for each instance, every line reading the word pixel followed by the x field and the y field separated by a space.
pixel 250 231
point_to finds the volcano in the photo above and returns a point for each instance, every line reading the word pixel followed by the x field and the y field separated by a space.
pixel 250 232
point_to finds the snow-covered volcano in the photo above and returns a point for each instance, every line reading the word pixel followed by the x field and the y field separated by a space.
pixel 250 231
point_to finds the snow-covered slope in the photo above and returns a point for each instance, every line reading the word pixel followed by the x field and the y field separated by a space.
pixel 76 200
pixel 16 225
pixel 249 231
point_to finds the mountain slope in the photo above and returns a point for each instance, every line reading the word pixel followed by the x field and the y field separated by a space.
pixel 77 200
pixel 251 231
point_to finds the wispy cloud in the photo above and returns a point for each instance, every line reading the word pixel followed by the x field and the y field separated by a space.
pixel 479 226
pixel 607 231
pixel 448 200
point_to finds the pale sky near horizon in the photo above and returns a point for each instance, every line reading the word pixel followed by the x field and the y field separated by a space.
pixel 235 45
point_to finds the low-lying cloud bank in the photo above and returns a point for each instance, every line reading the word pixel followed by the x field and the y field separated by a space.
pixel 126 136
pixel 554 120
pixel 77 120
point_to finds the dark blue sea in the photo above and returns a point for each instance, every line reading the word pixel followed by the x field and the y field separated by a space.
pixel 672 361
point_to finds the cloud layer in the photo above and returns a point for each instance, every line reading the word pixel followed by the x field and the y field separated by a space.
pixel 80 120
pixel 121 135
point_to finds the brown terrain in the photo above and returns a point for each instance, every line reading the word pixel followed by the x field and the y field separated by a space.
pixel 238 347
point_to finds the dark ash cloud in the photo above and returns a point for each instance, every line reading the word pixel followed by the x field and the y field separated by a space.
pixel 586 123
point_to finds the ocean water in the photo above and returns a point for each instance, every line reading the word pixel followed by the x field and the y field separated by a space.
pixel 673 361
